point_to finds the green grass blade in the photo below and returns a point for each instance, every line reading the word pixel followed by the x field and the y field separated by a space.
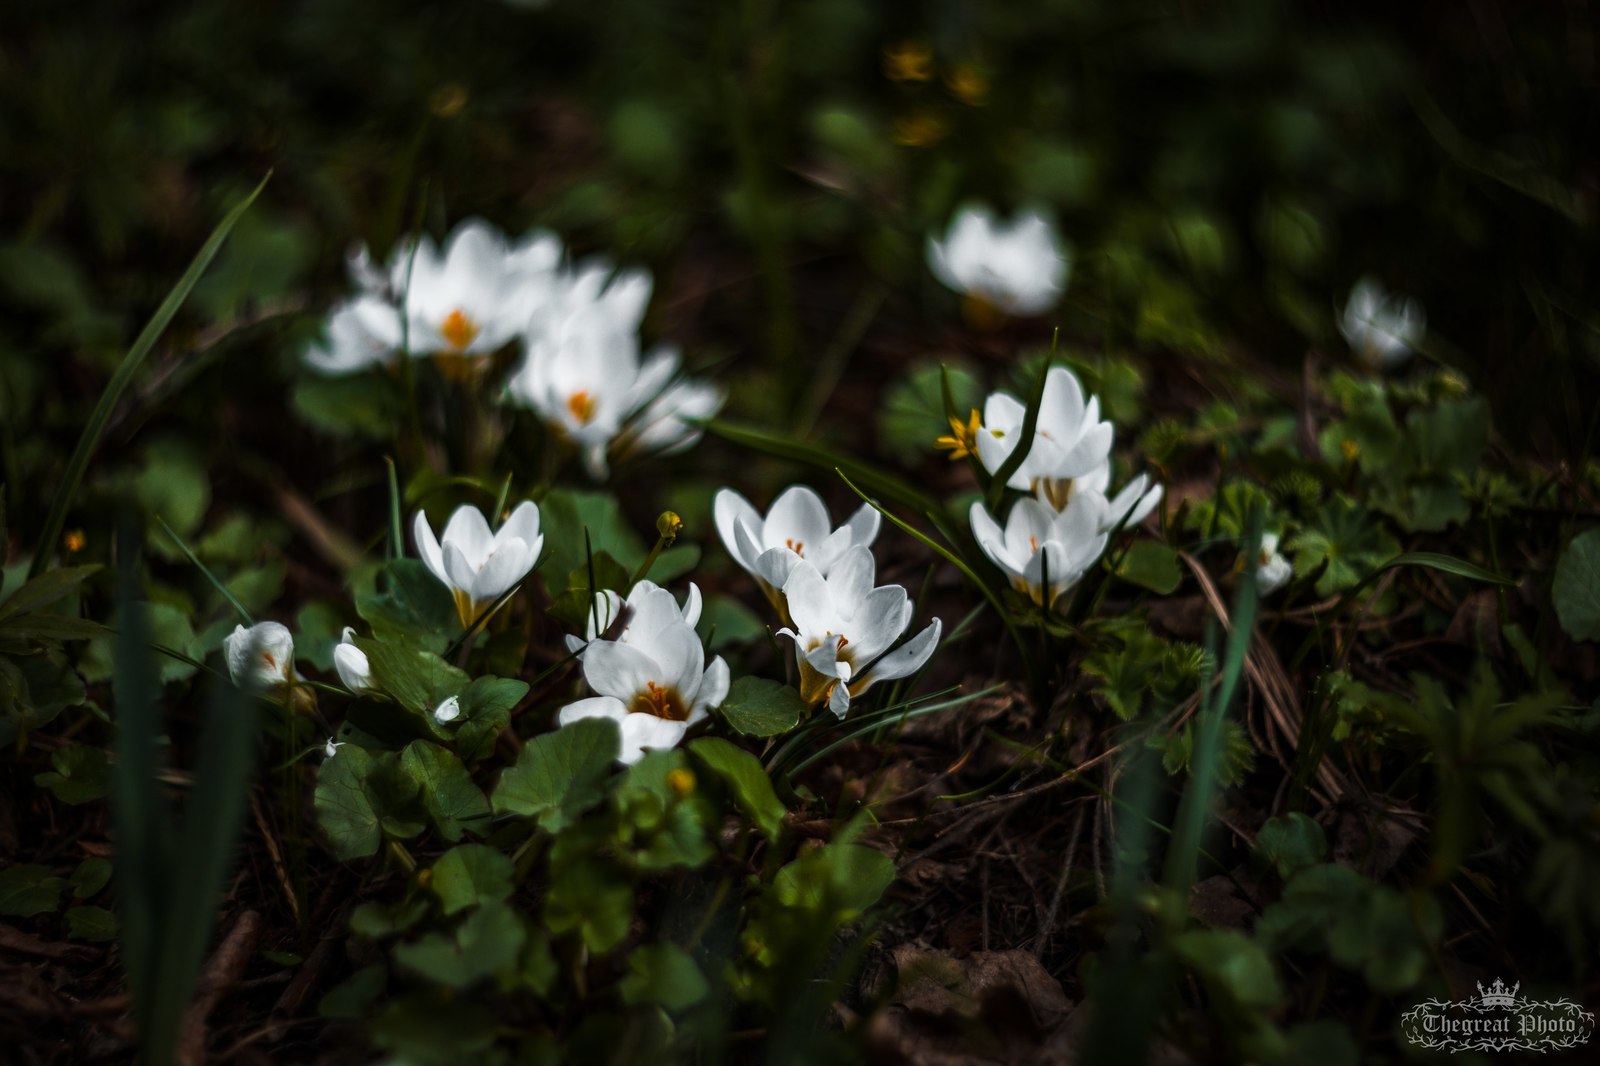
pixel 138 809
pixel 183 546
pixel 123 377
pixel 397 539
pixel 212 820
pixel 880 482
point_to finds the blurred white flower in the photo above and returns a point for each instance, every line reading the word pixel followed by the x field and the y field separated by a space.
pixel 1018 269
pixel 1273 571
pixel 843 626
pixel 585 377
pixel 448 710
pixel 1070 440
pixel 476 565
pixel 1382 329
pixel 361 333
pixel 351 663
pixel 795 527
pixel 462 300
pixel 1044 552
pixel 606 607
pixel 653 681
pixel 261 656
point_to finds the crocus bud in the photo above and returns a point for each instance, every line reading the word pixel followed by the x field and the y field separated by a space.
pixel 261 656
pixel 351 663
pixel 448 711
pixel 668 525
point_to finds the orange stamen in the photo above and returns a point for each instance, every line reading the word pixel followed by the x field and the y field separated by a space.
pixel 796 546
pixel 458 330
pixel 582 406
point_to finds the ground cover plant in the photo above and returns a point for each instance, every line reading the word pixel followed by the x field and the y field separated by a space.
pixel 1057 532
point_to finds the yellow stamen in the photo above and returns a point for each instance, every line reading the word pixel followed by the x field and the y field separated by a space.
pixel 1033 545
pixel 660 701
pixel 76 541
pixel 458 330
pixel 1057 492
pixel 963 439
pixel 582 406
pixel 796 546
pixel 982 313
pixel 908 61
pixel 681 781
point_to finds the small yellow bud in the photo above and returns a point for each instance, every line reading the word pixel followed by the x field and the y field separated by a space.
pixel 448 100
pixel 669 525
pixel 918 130
pixel 969 84
pixel 681 782
pixel 424 877
pixel 908 61
pixel 75 541
pixel 1349 449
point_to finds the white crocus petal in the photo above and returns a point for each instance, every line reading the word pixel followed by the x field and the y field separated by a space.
pixel 1273 570
pixel 351 664
pixel 729 511
pixel 1382 329
pixel 1020 268
pixel 639 732
pixel 448 710
pixel 459 300
pixel 261 656
pixel 331 748
pixel 714 685
pixel 360 334
pixel 796 527
pixel 1070 439
pixel 905 660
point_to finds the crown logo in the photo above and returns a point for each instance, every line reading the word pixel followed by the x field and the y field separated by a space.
pixel 1498 995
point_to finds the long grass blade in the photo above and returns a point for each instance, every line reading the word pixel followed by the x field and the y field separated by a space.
pixel 123 377
pixel 223 590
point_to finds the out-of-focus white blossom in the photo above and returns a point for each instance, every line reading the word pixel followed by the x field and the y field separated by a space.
pixel 1382 329
pixel 1018 268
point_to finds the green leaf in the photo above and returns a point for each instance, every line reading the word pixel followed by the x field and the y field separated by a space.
pixel 566 513
pixel 1448 564
pixel 469 875
pixel 560 775
pixel 1233 964
pixel 360 405
pixel 1152 565
pixel 411 604
pixel 67 489
pixel 1291 843
pixel 27 889
pixel 417 680
pixel 842 880
pixel 451 799
pixel 1576 591
pixel 344 806
pixel 663 974
pixel 746 779
pixel 90 877
pixel 758 707
pixel 913 413
pixel 1349 539
pixel 486 706
pixel 669 825
pixel 44 590
pixel 486 944
pixel 591 899
pixel 375 921
pixel 82 774
pixel 95 924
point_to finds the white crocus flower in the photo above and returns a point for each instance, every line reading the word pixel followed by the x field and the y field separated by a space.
pixel 654 683
pixel 1273 571
pixel 606 607
pixel 670 423
pixel 261 656
pixel 584 377
pixel 361 333
pixel 1382 329
pixel 476 565
pixel 462 300
pixel 1044 552
pixel 448 710
pixel 796 527
pixel 1018 269
pixel 843 626
pixel 351 664
pixel 1070 440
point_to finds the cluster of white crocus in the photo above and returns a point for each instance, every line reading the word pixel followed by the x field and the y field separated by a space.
pixel 607 609
pixel 648 670
pixel 1001 269
pixel 821 581
pixel 583 371
pixel 796 527
pixel 1051 539
pixel 1382 329
pixel 479 566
